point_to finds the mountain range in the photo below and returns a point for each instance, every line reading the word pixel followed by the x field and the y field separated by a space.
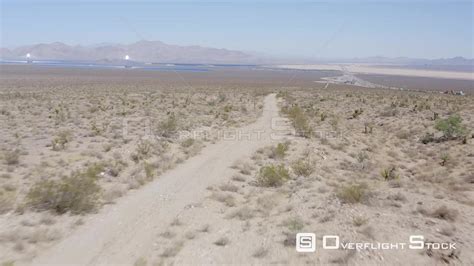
pixel 141 51
pixel 159 52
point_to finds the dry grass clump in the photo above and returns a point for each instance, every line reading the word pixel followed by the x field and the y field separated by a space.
pixel 272 175
pixel 389 174
pixel 61 140
pixel 143 151
pixel 243 214
pixel 227 199
pixel 445 213
pixel 302 167
pixel 353 193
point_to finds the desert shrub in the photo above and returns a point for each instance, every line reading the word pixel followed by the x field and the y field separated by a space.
pixel 187 143
pixel 78 193
pixel 223 241
pixel 451 127
pixel 323 116
pixel 357 113
pixel 444 159
pixel 389 173
pixel 302 167
pixel 352 193
pixel 368 128
pixel 445 213
pixel 300 122
pixel 143 151
pixel 11 157
pixel 61 140
pixel 169 127
pixel 7 201
pixel 295 224
pixel 389 111
pixel 280 150
pixel 272 175
pixel 427 138
pixel 94 170
pixel 149 170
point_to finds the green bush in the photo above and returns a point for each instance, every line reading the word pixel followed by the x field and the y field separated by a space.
pixel 451 127
pixel 300 121
pixel 78 193
pixel 272 175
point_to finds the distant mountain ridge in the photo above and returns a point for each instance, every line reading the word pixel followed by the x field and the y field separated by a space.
pixel 159 52
pixel 141 51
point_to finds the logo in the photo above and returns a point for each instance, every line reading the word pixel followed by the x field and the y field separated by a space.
pixel 305 242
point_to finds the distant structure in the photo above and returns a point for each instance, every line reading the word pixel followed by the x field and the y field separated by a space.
pixel 453 92
pixel 127 61
pixel 28 58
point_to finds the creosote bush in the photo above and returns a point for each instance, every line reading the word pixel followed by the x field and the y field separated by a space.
pixel 451 127
pixel 78 193
pixel 272 175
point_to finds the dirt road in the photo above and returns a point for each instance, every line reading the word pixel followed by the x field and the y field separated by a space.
pixel 126 231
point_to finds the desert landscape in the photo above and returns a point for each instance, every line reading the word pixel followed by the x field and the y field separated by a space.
pixel 138 167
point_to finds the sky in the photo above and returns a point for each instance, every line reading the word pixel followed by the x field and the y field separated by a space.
pixel 285 28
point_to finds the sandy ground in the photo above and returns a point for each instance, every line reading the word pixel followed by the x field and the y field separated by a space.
pixel 127 231
pixel 367 69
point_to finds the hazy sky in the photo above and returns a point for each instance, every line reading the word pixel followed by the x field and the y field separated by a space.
pixel 428 29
